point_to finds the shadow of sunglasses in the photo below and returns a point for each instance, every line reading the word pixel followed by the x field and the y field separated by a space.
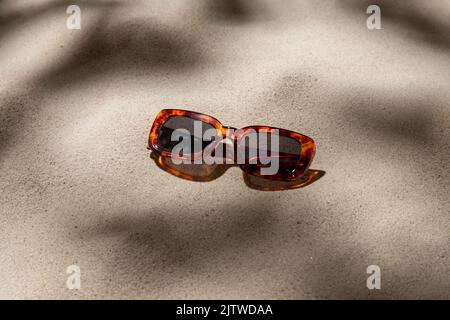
pixel 206 172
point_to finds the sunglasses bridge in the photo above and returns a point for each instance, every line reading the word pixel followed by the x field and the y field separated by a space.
pixel 230 136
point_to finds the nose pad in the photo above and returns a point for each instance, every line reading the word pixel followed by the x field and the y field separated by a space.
pixel 229 154
pixel 229 143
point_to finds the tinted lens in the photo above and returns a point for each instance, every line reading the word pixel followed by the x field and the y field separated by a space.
pixel 280 151
pixel 289 151
pixel 179 129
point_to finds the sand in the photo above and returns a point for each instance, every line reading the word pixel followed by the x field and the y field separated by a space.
pixel 78 186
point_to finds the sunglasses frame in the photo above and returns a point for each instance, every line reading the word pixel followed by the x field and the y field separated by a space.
pixel 307 143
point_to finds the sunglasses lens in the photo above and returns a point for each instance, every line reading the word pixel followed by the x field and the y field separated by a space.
pixel 282 151
pixel 179 129
pixel 289 151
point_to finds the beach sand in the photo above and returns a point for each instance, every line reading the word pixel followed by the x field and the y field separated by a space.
pixel 78 186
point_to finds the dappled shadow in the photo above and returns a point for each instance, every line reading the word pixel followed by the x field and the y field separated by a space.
pixel 179 239
pixel 236 11
pixel 158 249
pixel 425 25
pixel 12 111
pixel 11 20
pixel 364 127
pixel 411 126
pixel 107 50
pixel 137 248
pixel 342 274
pixel 133 47
pixel 405 133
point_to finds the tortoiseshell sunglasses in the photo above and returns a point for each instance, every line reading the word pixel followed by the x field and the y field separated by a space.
pixel 295 151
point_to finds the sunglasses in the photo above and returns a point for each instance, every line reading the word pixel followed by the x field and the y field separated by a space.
pixel 294 151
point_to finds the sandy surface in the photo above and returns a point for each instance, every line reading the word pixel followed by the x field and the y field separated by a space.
pixel 78 187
